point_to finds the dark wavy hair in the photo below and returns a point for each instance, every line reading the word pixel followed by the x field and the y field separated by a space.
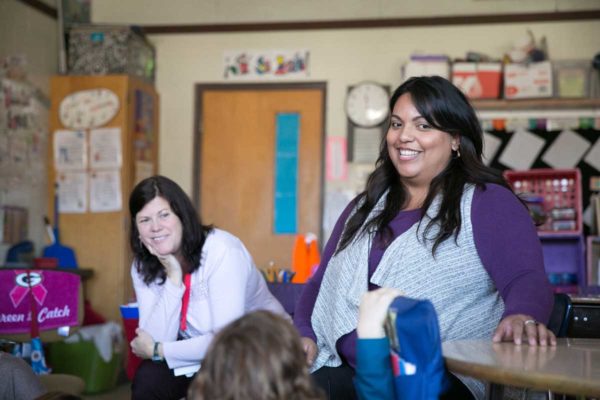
pixel 447 109
pixel 193 232
pixel 257 357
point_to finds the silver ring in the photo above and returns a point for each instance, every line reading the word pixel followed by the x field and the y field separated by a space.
pixel 530 321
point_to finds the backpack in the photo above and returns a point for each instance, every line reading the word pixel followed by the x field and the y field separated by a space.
pixel 416 350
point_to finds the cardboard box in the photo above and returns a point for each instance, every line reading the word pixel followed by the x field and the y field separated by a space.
pixel 522 81
pixel 478 80
pixel 572 78
pixel 426 66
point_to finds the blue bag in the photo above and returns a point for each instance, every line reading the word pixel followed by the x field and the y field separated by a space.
pixel 416 350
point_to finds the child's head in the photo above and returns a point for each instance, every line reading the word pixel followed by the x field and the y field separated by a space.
pixel 257 357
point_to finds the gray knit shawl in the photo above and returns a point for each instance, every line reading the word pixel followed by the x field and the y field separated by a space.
pixel 455 281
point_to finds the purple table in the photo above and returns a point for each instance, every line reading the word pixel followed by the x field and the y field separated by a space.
pixel 287 294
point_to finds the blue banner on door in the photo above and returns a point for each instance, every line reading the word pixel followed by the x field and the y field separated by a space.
pixel 287 132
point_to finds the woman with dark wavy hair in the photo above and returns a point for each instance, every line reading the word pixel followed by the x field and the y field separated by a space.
pixel 435 222
pixel 257 357
pixel 190 280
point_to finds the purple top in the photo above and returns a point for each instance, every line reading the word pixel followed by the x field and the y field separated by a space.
pixel 506 241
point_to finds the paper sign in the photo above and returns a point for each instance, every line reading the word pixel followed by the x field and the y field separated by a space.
pixel 105 191
pixel 522 150
pixel 337 167
pixel 491 144
pixel 55 293
pixel 265 64
pixel 70 148
pixel 566 150
pixel 105 148
pixel 72 191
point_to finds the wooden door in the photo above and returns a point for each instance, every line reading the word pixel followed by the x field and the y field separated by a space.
pixel 235 162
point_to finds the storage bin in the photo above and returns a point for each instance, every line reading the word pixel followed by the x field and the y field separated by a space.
pixel 564 262
pixel 572 78
pixel 522 81
pixel 561 193
pixel 478 80
pixel 130 315
pixel 83 359
pixel 109 49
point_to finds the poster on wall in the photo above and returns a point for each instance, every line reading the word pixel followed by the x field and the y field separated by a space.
pixel 336 162
pixel 72 192
pixel 105 191
pixel 105 148
pixel 70 149
pixel 265 64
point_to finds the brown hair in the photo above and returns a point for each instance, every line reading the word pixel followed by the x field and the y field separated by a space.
pixel 257 357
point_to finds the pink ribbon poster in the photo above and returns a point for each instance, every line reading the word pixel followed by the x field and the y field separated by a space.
pixel 55 294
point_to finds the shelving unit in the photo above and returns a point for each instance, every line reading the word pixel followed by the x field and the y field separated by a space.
pixel 564 251
pixel 535 104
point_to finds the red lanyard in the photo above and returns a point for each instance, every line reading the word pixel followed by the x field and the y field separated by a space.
pixel 187 280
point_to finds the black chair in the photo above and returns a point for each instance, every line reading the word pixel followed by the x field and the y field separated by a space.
pixel 561 315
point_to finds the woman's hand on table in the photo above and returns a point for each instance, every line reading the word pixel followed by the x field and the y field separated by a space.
pixel 520 327
pixel 310 349
pixel 143 344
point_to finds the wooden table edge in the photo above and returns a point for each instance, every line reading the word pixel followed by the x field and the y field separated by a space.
pixel 531 380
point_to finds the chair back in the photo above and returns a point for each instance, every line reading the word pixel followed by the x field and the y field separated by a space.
pixel 54 298
pixel 561 315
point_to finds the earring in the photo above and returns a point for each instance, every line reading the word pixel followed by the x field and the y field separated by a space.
pixel 457 150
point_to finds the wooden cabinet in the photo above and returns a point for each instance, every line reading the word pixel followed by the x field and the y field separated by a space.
pixel 100 239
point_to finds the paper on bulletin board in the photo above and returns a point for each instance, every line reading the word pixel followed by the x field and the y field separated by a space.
pixel 522 150
pixel 105 191
pixel 72 191
pixel 566 150
pixel 70 150
pixel 491 144
pixel 593 156
pixel 336 163
pixel 105 148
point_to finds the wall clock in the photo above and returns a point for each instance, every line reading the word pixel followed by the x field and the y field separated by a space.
pixel 87 109
pixel 367 104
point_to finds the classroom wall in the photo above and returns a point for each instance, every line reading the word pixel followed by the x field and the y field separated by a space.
pixel 340 58
pixel 26 31
pixel 231 11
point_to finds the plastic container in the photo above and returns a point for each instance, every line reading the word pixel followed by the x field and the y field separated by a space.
pixel 564 260
pixel 130 315
pixel 572 78
pixel 561 193
pixel 82 359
